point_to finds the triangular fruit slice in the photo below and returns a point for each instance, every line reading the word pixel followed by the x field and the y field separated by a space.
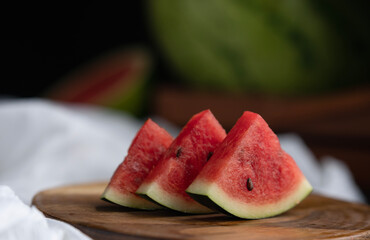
pixel 181 163
pixel 249 175
pixel 148 146
pixel 118 79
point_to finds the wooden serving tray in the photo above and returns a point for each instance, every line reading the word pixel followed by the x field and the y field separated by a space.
pixel 316 217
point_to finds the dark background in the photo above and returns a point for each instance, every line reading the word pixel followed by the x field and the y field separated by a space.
pixel 43 42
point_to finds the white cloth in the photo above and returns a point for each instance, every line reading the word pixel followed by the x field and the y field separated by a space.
pixel 329 177
pixel 44 144
pixel 19 221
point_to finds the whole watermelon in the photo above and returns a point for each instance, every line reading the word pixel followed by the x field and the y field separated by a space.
pixel 270 46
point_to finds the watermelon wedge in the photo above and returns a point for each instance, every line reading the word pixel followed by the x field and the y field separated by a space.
pixel 148 146
pixel 181 163
pixel 249 175
pixel 118 79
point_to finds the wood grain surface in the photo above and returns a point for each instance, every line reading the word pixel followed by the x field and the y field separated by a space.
pixel 317 217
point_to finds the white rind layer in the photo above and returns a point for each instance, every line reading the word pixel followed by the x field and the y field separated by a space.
pixel 128 200
pixel 250 211
pixel 155 192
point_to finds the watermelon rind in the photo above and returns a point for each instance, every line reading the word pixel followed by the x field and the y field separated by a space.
pixel 155 193
pixel 211 195
pixel 128 200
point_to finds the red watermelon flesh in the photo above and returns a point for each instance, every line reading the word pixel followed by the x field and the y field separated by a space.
pixel 182 162
pixel 148 146
pixel 249 175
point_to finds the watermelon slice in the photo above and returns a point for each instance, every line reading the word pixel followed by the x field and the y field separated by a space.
pixel 182 162
pixel 118 79
pixel 249 175
pixel 146 149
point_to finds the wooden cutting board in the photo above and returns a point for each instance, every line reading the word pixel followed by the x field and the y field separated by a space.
pixel 316 217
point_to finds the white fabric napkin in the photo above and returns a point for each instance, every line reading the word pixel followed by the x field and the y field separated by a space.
pixel 45 144
pixel 19 221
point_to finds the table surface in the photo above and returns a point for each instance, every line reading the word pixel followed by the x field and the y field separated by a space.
pixel 316 217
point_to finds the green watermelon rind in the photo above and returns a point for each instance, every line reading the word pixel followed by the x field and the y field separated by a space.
pixel 211 195
pixel 154 192
pixel 129 200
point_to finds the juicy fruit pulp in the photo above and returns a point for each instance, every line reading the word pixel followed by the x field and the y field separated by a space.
pixel 249 175
pixel 146 149
pixel 182 162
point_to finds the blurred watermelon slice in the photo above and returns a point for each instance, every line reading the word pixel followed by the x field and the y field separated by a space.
pixel 117 80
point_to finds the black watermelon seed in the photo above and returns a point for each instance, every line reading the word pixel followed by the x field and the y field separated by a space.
pixel 209 155
pixel 249 184
pixel 178 152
